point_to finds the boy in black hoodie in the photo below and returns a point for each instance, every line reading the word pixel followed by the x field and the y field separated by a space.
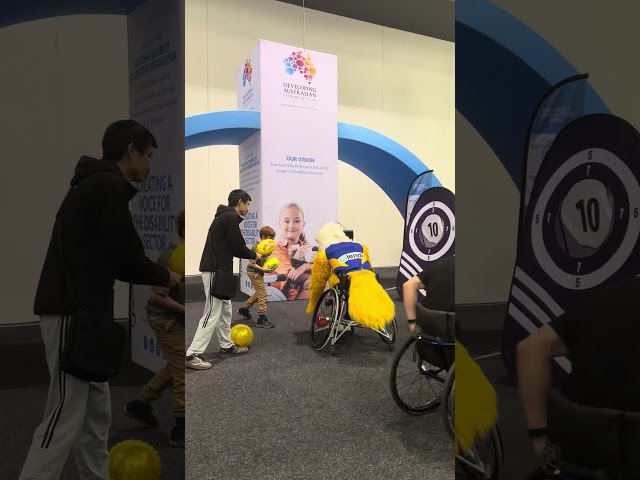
pixel 224 241
pixel 101 245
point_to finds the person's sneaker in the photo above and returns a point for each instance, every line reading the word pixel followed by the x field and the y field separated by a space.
pixel 245 313
pixel 141 412
pixel 195 362
pixel 264 323
pixel 177 437
pixel 235 350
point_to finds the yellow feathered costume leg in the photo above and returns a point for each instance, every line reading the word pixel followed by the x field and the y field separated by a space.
pixel 369 304
pixel 320 273
pixel 476 402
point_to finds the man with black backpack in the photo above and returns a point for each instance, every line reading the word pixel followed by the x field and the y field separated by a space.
pixel 224 241
pixel 94 242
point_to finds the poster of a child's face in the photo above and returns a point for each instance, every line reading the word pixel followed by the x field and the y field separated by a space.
pixel 291 223
pixel 295 252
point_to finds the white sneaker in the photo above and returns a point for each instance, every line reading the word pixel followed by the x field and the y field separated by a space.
pixel 195 362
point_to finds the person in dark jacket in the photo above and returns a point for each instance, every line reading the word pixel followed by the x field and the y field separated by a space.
pixel 224 241
pixel 99 245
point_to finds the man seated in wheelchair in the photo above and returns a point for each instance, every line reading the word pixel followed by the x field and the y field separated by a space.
pixel 340 257
pixel 435 313
pixel 600 336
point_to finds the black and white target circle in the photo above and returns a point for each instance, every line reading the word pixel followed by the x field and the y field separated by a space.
pixel 585 221
pixel 432 230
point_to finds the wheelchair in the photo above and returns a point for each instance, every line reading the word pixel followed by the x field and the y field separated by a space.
pixel 484 460
pixel 589 443
pixel 330 319
pixel 422 365
pixel 428 360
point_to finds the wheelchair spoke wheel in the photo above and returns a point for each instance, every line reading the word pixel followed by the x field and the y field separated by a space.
pixel 484 460
pixel 392 330
pixel 323 317
pixel 416 385
pixel 449 405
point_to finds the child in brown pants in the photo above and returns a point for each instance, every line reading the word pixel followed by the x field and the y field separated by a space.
pixel 255 272
pixel 165 314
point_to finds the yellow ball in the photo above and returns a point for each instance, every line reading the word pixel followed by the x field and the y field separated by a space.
pixel 134 460
pixel 176 261
pixel 272 263
pixel 241 335
pixel 265 247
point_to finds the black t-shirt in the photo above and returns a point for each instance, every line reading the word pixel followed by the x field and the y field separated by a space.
pixel 603 338
pixel 440 284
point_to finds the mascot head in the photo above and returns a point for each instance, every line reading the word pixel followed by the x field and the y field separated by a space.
pixel 329 234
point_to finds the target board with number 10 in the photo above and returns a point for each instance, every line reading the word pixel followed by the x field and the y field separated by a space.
pixel 430 233
pixel 582 225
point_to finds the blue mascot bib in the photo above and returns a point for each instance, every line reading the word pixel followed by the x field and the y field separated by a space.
pixel 346 257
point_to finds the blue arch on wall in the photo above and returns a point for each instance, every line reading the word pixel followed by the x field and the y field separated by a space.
pixel 14 12
pixel 391 166
pixel 512 67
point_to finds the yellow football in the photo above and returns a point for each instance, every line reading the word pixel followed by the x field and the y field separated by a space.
pixel 241 335
pixel 134 459
pixel 265 247
pixel 176 261
pixel 272 263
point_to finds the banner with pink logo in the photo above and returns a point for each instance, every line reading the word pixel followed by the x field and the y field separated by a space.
pixel 290 168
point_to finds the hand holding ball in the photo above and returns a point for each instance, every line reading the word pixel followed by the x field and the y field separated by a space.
pixel 266 247
pixel 271 264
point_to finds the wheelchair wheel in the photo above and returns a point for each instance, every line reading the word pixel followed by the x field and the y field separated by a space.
pixel 416 386
pixel 392 330
pixel 484 461
pixel 323 318
pixel 449 404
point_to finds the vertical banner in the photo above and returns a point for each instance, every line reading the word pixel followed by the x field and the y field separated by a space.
pixel 560 106
pixel 423 182
pixel 248 98
pixel 156 99
pixel 250 181
pixel 429 234
pixel 292 166
pixel 580 230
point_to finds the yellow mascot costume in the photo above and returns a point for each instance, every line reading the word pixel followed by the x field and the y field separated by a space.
pixel 369 304
pixel 476 401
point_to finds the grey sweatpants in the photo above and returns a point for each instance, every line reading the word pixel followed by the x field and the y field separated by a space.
pixel 215 319
pixel 77 415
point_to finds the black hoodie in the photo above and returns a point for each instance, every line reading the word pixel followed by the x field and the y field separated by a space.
pixel 224 242
pixel 100 242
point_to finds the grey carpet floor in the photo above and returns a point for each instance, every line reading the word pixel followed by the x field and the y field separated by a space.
pixel 286 411
pixel 23 395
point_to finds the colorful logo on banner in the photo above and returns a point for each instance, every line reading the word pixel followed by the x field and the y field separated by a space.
pixel 246 74
pixel 580 230
pixel 430 234
pixel 298 62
